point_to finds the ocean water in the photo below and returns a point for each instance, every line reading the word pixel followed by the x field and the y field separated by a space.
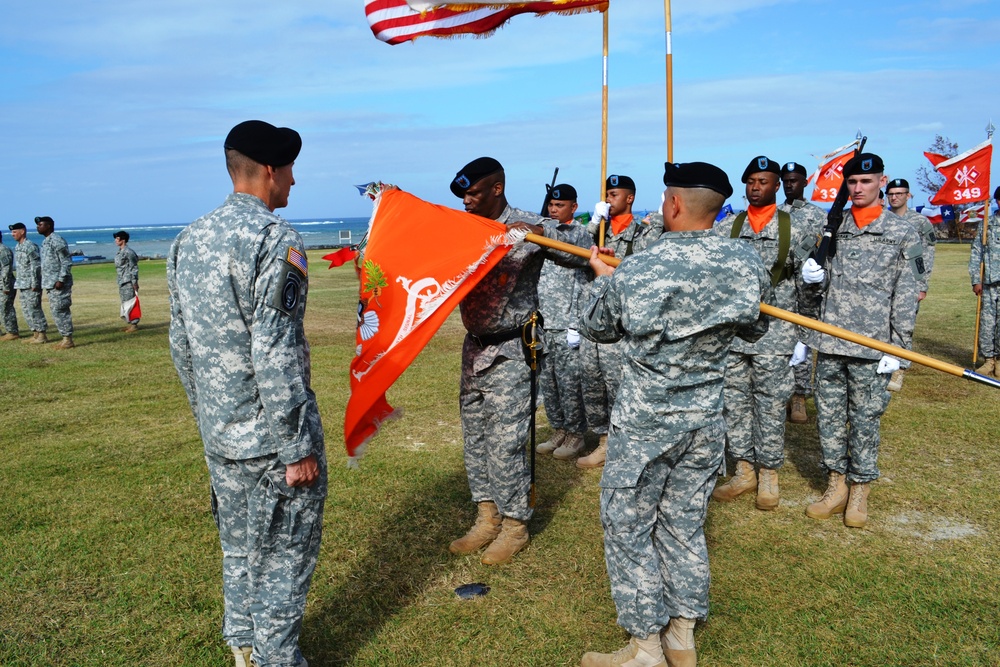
pixel 154 241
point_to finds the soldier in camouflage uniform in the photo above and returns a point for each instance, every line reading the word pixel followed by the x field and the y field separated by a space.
pixel 985 275
pixel 676 308
pixel 237 280
pixel 57 279
pixel 560 294
pixel 494 394
pixel 602 364
pixel 7 292
pixel 28 283
pixel 758 375
pixel 127 272
pixel 794 179
pixel 869 286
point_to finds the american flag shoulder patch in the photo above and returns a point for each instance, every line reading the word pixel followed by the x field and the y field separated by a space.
pixel 298 260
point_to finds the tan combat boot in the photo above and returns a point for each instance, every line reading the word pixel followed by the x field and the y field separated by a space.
pixel 834 499
pixel 798 414
pixel 39 338
pixel 744 480
pixel 988 368
pixel 767 489
pixel 677 641
pixel 595 459
pixel 132 328
pixel 483 531
pixel 637 653
pixel 570 448
pixel 65 344
pixel 896 381
pixel 242 655
pixel 513 537
pixel 553 443
pixel 10 336
pixel 856 515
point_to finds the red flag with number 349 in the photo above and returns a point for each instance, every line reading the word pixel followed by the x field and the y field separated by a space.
pixel 968 175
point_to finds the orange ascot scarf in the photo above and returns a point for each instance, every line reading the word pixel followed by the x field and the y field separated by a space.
pixel 619 223
pixel 759 216
pixel 865 216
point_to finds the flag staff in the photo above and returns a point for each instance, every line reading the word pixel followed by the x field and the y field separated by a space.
pixel 982 260
pixel 670 81
pixel 604 127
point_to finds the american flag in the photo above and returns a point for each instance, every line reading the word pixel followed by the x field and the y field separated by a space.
pixel 397 21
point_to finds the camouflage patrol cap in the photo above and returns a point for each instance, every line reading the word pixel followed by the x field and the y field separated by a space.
pixel 761 163
pixel 472 173
pixel 264 143
pixel 866 163
pixel 697 175
pixel 563 192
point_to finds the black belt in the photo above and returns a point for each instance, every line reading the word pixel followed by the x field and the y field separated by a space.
pixel 495 338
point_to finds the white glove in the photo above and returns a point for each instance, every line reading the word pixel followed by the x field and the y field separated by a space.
pixel 812 272
pixel 799 355
pixel 573 338
pixel 602 209
pixel 888 365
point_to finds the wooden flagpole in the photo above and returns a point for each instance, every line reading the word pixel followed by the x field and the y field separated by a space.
pixel 670 81
pixel 982 260
pixel 809 323
pixel 604 128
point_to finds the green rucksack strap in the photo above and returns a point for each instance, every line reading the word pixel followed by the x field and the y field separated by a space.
pixel 779 271
pixel 738 225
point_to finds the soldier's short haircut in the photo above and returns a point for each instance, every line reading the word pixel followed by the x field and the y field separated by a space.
pixel 702 202
pixel 239 165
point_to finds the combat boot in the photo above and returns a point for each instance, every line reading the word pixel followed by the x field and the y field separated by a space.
pixel 10 336
pixel 797 414
pixel 988 368
pixel 132 328
pixel 513 537
pixel 65 344
pixel 553 443
pixel 677 642
pixel 896 381
pixel 637 653
pixel 744 480
pixel 856 515
pixel 767 489
pixel 242 655
pixel 483 531
pixel 39 338
pixel 595 459
pixel 834 499
pixel 570 448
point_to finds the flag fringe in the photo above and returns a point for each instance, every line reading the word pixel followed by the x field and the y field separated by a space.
pixel 359 451
pixel 467 7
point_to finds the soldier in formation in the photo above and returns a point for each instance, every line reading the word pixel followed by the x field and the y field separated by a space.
pixel 127 273
pixel 8 317
pixel 57 279
pixel 984 272
pixel 28 283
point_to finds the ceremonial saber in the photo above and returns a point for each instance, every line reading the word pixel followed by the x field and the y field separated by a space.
pixel 808 322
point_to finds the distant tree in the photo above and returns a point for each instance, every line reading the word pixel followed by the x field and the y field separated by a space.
pixel 929 180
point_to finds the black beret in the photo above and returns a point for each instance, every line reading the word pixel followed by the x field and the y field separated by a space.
pixel 472 173
pixel 793 167
pixel 620 182
pixel 16 225
pixel 264 143
pixel 759 164
pixel 121 234
pixel 44 218
pixel 996 193
pixel 897 183
pixel 866 163
pixel 697 175
pixel 563 192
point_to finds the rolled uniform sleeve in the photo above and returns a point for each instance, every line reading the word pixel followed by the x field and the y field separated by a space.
pixel 601 321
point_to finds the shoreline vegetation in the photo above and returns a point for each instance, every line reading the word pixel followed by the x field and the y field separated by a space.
pixel 109 556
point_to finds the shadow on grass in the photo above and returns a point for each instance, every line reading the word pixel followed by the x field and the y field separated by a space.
pixel 802 450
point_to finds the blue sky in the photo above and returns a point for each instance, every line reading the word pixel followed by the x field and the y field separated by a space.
pixel 114 111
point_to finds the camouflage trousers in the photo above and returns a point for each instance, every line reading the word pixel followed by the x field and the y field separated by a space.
pixel 31 307
pixel 601 365
pixel 496 411
pixel 989 322
pixel 653 512
pixel 59 302
pixel 270 534
pixel 7 312
pixel 850 400
pixel 803 373
pixel 125 293
pixel 757 388
pixel 561 385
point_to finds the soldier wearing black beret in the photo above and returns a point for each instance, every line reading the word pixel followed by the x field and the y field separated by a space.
pixel 897 193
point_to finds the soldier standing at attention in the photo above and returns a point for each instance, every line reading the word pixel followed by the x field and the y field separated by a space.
pixel 793 181
pixel 237 279
pixel 127 272
pixel 494 394
pixel 28 264
pixel 987 285
pixel 7 292
pixel 758 374
pixel 57 279
pixel 561 292
pixel 677 306
pixel 602 364
pixel 868 285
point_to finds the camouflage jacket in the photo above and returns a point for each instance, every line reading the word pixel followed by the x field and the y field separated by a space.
pixel 56 262
pixel 986 254
pixel 676 308
pixel 127 266
pixel 6 268
pixel 28 264
pixel 237 280
pixel 870 286
pixel 928 239
pixel 561 295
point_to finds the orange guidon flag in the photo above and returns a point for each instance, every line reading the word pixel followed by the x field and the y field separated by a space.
pixel 420 261
pixel 829 176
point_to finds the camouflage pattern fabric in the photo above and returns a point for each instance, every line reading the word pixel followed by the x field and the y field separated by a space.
pixel 56 267
pixel 928 243
pixel 494 391
pixel 989 317
pixel 675 308
pixel 803 376
pixel 7 292
pixel 127 272
pixel 238 283
pixel 60 301
pixel 28 264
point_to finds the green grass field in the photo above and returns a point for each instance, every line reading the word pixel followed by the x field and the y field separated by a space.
pixel 109 557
